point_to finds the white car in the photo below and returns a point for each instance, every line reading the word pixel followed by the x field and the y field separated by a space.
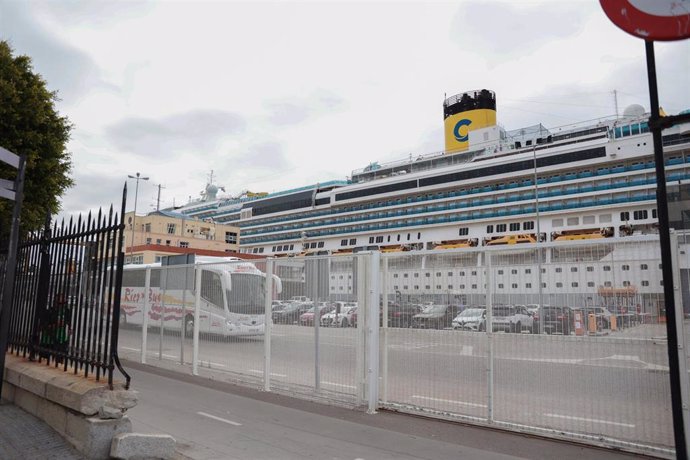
pixel 471 319
pixel 511 318
pixel 342 319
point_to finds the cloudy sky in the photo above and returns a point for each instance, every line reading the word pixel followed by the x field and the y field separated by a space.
pixel 280 95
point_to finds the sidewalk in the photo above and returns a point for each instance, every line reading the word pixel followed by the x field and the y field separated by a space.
pixel 23 436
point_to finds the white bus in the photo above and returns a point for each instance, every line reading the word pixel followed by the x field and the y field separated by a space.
pixel 232 296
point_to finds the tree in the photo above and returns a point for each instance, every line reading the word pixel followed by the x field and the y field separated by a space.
pixel 30 125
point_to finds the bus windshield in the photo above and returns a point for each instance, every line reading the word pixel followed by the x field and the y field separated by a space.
pixel 247 294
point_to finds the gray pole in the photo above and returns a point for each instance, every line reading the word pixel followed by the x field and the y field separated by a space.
pixel 539 250
pixel 134 215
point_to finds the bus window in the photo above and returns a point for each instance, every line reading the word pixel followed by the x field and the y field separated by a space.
pixel 211 288
pixel 247 294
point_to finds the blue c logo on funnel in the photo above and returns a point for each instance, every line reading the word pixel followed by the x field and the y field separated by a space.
pixel 456 130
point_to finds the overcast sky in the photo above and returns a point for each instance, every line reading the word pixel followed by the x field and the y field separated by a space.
pixel 278 95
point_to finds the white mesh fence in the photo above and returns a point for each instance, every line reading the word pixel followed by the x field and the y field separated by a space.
pixel 565 339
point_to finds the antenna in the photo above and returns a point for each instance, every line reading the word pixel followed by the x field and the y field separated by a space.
pixel 158 200
pixel 615 101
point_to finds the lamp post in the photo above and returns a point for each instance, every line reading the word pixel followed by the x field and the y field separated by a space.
pixel 134 216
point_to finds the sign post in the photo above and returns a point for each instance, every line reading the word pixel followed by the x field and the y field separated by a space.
pixel 660 20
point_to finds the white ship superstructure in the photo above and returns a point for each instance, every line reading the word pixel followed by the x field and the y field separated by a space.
pixel 490 187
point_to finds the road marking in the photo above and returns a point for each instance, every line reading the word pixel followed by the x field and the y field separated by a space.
pixel 338 385
pixel 451 401
pixel 623 357
pixel 592 420
pixel 130 349
pixel 257 371
pixel 229 422
pixel 211 363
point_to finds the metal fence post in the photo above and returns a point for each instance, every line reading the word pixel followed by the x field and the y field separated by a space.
pixel 384 331
pixel 360 360
pixel 372 349
pixel 268 324
pixel 197 315
pixel 680 331
pixel 145 313
pixel 490 337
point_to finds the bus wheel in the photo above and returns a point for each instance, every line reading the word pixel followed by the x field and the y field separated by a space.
pixel 189 326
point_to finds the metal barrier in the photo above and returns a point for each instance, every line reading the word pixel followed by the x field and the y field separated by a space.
pixel 66 296
pixel 484 335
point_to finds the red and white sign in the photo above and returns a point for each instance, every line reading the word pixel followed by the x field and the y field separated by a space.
pixel 656 20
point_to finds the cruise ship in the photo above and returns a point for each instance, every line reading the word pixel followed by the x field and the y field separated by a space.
pixel 489 187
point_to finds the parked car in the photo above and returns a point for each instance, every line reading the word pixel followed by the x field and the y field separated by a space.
pixel 341 316
pixel 287 313
pixel 400 315
pixel 471 319
pixel 556 320
pixel 307 318
pixel 511 318
pixel 435 317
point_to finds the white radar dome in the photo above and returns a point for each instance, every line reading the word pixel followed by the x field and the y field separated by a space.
pixel 633 111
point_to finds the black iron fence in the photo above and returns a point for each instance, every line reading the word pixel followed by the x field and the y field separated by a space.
pixel 66 304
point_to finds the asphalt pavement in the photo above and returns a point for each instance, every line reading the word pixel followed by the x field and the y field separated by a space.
pixel 216 420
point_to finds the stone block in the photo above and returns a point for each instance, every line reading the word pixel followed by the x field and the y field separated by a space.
pixel 8 390
pixel 87 396
pixel 54 415
pixel 92 436
pixel 107 412
pixel 35 382
pixel 27 401
pixel 135 446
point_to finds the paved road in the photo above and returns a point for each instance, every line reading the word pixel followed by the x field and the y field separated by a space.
pixel 615 387
pixel 213 420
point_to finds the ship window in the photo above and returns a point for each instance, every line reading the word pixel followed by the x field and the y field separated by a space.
pixel 500 272
pixel 625 216
pixel 428 275
pixel 489 229
pixel 644 267
pixel 559 285
pixel 528 271
pixel 438 273
pixel 528 285
pixel 464 231
pixel 607 268
pixel 474 272
pixel 574 284
pixel 626 283
pixel 416 275
pixel 395 275
pixel 408 237
pixel 379 239
pixel 462 286
pixel 501 227
pixel 645 283
pixel 588 219
pixel 653 213
pixel 557 222
pixel 460 274
pixel 474 286
pixel 573 220
pixel 543 285
pixel 419 236
pixel 605 218
pixel 639 215
pixel 292 246
pixel 416 286
pixel 590 283
pixel 607 283
pixel 371 239
pixel 590 269
pixel 529 225
pixel 500 286
pixel 559 269
pixel 661 282
pixel 405 275
pixel 320 244
pixel 389 238
pixel 514 285
pixel 514 226
pixel 573 269
pixel 625 268
pixel 438 286
pixel 343 242
pixel 398 237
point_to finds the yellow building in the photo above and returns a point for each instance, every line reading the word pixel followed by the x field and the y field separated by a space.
pixel 163 233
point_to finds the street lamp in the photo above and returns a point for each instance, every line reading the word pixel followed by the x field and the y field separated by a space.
pixel 134 216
